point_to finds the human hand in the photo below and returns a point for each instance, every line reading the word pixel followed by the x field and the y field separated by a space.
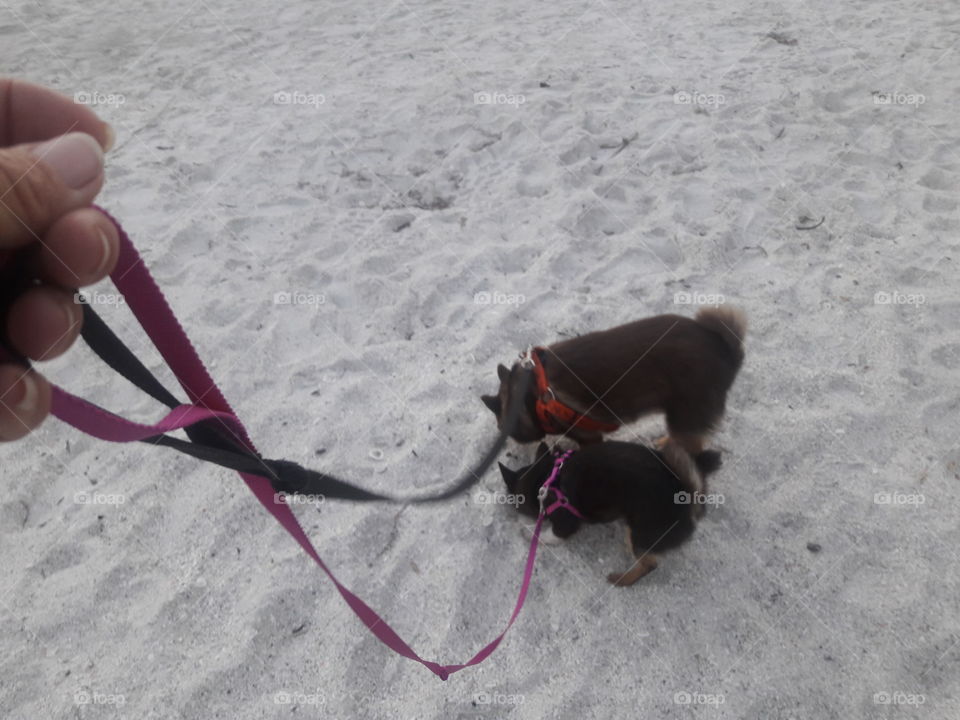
pixel 51 240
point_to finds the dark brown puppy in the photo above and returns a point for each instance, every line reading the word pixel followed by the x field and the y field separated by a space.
pixel 660 494
pixel 680 366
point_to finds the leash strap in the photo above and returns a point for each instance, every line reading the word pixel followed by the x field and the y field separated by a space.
pixel 219 436
pixel 211 444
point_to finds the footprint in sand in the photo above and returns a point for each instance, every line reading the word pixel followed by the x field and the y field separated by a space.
pixel 584 148
pixel 399 222
pixel 872 208
pixel 937 179
pixel 938 203
pixel 693 201
pixel 947 356
pixel 61 557
pixel 599 220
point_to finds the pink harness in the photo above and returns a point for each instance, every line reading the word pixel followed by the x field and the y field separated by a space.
pixel 148 304
pixel 562 500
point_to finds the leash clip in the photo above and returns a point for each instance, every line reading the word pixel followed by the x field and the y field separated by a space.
pixel 542 497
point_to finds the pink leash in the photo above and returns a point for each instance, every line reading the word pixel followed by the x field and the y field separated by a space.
pixel 148 304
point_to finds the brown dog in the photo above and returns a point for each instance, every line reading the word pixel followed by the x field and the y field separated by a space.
pixel 659 494
pixel 590 385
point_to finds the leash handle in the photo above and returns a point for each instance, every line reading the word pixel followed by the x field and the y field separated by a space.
pixel 208 405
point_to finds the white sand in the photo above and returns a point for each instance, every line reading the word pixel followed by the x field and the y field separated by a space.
pixel 185 601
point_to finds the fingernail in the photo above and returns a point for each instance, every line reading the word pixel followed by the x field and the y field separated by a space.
pixel 105 253
pixel 76 158
pixel 73 312
pixel 23 395
pixel 111 138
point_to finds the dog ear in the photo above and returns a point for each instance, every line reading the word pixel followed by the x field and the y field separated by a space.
pixel 503 372
pixel 509 476
pixel 492 402
pixel 542 450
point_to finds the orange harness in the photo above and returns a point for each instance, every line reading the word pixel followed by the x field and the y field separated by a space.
pixel 555 417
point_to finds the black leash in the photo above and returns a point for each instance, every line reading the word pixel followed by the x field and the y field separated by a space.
pixel 213 442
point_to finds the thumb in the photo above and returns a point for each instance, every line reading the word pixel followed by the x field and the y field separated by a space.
pixel 39 183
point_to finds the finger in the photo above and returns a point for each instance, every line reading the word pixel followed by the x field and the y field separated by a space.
pixel 39 184
pixel 31 113
pixel 44 322
pixel 24 401
pixel 81 248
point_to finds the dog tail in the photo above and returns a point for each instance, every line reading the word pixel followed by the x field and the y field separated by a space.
pixel 708 462
pixel 684 467
pixel 727 322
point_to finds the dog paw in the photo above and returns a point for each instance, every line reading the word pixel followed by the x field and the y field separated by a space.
pixel 526 531
pixel 642 568
pixel 526 528
pixel 550 538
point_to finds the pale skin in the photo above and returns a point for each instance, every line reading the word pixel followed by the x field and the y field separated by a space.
pixel 51 240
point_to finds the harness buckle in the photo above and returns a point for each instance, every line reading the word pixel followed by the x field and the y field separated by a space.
pixel 542 497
